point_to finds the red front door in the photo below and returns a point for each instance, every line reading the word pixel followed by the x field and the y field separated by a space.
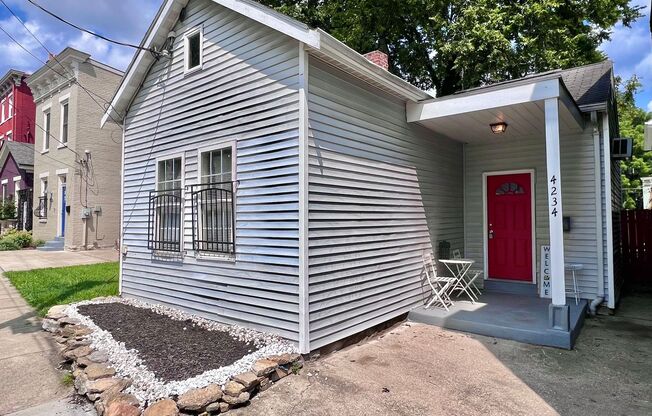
pixel 509 221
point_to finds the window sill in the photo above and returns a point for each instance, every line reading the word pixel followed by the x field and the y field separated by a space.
pixel 43 221
pixel 221 258
pixel 191 71
pixel 45 151
pixel 61 146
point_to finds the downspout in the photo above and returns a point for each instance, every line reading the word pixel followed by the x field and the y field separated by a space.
pixel 599 237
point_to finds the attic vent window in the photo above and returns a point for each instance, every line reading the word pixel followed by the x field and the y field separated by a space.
pixel 193 49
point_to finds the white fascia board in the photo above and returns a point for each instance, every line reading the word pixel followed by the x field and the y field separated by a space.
pixel 535 91
pixel 274 20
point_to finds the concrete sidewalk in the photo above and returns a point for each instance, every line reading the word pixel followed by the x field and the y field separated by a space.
pixel 34 259
pixel 28 359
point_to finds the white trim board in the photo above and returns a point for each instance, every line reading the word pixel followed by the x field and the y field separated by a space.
pixel 611 303
pixel 485 228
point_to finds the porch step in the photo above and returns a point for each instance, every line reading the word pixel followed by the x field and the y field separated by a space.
pixel 497 286
pixel 57 244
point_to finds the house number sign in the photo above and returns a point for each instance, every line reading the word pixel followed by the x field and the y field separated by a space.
pixel 553 200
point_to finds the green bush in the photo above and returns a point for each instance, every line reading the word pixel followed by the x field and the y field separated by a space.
pixel 8 210
pixel 13 239
pixel 7 244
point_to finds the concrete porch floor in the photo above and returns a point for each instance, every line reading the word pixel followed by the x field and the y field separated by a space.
pixel 504 315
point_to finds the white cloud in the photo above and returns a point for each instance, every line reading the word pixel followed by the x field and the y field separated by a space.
pixel 649 107
pixel 112 55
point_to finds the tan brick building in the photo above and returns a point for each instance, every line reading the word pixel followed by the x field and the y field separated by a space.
pixel 76 163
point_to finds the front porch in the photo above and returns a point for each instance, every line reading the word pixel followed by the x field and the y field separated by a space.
pixel 514 316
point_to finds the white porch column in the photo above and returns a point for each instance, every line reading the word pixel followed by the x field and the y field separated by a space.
pixel 559 313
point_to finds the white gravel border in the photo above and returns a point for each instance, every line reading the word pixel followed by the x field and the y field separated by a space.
pixel 145 385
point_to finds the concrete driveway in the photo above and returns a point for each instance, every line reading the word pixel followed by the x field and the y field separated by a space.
pixel 34 259
pixel 414 369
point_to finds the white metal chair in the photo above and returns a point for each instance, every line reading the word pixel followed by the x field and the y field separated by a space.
pixel 575 291
pixel 440 285
pixel 468 285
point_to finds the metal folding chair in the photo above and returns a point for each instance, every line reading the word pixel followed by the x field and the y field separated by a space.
pixel 440 285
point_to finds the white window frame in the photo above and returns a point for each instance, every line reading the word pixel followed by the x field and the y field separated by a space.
pixel 2 110
pixel 200 255
pixel 10 105
pixel 47 131
pixel 182 187
pixel 9 136
pixel 63 101
pixel 17 180
pixel 186 50
pixel 45 180
pixel 5 189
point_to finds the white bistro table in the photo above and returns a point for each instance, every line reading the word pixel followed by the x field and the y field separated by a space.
pixel 459 269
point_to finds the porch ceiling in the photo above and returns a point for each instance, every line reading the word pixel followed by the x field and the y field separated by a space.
pixel 523 120
pixel 466 117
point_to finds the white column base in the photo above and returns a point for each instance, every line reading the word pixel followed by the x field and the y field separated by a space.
pixel 559 316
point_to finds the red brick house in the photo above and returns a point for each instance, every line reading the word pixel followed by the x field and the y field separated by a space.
pixel 17 108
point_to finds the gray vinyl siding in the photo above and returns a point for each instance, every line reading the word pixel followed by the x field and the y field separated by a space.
pixel 578 197
pixel 247 92
pixel 381 193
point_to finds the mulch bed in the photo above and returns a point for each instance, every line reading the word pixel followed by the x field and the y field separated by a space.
pixel 173 350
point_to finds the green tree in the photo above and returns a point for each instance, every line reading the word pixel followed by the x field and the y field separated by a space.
pixel 457 44
pixel 631 123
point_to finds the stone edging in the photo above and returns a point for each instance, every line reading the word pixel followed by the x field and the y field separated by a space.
pixel 98 382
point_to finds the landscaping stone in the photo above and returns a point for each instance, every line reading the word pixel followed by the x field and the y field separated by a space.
pixel 98 357
pixel 104 384
pixel 121 409
pixel 75 331
pixel 284 359
pixel 248 379
pixel 197 399
pixel 83 362
pixel 76 343
pixel 75 353
pixel 278 374
pixel 50 325
pixel 224 407
pixel 60 339
pixel 80 383
pixel 265 383
pixel 264 367
pixel 240 399
pixel 56 312
pixel 214 407
pixel 97 371
pixel 69 321
pixel 166 407
pixel 233 388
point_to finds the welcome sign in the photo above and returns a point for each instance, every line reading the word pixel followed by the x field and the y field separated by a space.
pixel 546 289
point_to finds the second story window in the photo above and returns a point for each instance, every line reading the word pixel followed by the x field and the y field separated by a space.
pixel 10 106
pixel 193 50
pixel 3 116
pixel 64 122
pixel 46 130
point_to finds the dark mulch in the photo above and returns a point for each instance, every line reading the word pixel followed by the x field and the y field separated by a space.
pixel 173 350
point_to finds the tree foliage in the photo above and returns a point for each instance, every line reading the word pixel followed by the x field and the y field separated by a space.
pixel 457 44
pixel 631 123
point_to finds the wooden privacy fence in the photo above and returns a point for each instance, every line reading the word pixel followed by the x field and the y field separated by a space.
pixel 636 245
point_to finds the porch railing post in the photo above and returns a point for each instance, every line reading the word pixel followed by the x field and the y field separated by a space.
pixel 559 311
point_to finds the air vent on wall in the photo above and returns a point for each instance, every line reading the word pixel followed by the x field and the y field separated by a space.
pixel 621 148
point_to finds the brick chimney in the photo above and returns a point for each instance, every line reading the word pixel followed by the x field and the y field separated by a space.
pixel 379 58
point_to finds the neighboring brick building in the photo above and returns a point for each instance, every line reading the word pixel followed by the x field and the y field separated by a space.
pixel 76 163
pixel 17 108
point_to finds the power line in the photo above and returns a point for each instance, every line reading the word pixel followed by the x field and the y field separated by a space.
pixel 60 64
pixel 91 32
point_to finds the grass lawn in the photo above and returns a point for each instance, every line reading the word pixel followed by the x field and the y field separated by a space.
pixel 44 288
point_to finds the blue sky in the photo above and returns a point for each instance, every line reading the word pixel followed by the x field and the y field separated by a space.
pixel 127 20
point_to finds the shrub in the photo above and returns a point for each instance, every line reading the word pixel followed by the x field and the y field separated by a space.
pixel 8 210
pixel 8 244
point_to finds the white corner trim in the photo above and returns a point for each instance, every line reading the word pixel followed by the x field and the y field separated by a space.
pixel 44 175
pixel 599 236
pixel 62 171
pixel 611 303
pixel 304 292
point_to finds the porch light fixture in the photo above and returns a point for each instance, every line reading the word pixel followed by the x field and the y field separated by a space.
pixel 498 128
